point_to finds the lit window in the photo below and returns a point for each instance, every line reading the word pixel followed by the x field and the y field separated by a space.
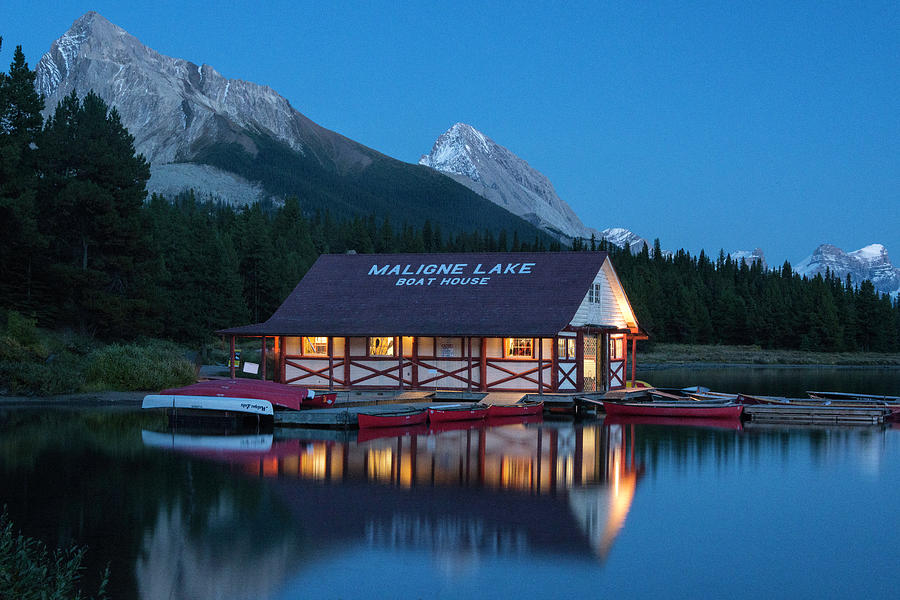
pixel 617 347
pixel 381 346
pixel 519 348
pixel 565 348
pixel 594 293
pixel 315 346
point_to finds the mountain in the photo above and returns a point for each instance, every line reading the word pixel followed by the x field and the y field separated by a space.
pixel 622 238
pixel 489 169
pixel 871 262
pixel 751 257
pixel 237 140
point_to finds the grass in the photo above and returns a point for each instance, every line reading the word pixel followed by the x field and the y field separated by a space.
pixel 38 362
pixel 671 354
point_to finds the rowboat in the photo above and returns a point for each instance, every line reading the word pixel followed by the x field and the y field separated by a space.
pixel 394 418
pixel 851 397
pixel 279 394
pixel 442 413
pixel 686 408
pixel 523 408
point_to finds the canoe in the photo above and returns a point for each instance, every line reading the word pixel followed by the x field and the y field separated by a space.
pixel 279 394
pixel 218 404
pixel 442 413
pixel 851 397
pixel 687 408
pixel 522 408
pixel 396 418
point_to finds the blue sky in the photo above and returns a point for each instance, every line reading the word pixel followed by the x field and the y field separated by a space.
pixel 708 125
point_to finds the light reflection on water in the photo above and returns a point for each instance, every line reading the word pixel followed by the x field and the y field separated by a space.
pixel 523 510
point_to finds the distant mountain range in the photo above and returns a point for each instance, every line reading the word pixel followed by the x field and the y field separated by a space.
pixel 871 262
pixel 237 140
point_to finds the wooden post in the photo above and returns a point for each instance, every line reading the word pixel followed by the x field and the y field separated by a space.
pixel 263 358
pixel 633 358
pixel 579 361
pixel 398 344
pixel 554 364
pixel 346 362
pixel 231 358
pixel 469 375
pixel 330 363
pixel 279 359
pixel 483 364
pixel 540 343
pixel 415 363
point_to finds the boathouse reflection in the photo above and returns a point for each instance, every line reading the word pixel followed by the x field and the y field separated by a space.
pixel 511 489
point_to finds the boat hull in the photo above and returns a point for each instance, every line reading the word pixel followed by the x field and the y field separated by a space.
pixel 515 410
pixel 396 419
pixel 437 414
pixel 279 394
pixel 216 404
pixel 674 409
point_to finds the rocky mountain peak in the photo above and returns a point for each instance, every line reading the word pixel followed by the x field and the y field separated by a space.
pixel 871 262
pixel 175 108
pixel 493 171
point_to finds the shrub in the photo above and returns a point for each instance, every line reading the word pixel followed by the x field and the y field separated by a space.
pixel 28 571
pixel 138 367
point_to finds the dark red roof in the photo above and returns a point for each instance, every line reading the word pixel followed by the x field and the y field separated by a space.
pixel 529 294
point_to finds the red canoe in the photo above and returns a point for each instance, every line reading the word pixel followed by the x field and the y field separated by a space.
pixel 279 394
pixel 519 409
pixel 456 412
pixel 396 418
pixel 692 409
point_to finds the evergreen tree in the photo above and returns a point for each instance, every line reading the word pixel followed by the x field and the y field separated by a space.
pixel 20 123
pixel 93 187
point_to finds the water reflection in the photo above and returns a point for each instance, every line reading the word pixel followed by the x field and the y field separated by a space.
pixel 459 494
pixel 506 511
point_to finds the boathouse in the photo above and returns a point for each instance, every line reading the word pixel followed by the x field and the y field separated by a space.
pixel 526 322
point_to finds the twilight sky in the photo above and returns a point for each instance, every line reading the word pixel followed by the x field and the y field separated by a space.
pixel 708 125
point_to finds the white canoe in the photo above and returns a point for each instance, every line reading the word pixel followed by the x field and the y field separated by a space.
pixel 253 406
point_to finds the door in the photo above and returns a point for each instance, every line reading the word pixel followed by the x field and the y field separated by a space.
pixel 590 363
pixel 617 351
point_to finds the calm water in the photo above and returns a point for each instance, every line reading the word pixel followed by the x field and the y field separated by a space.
pixel 792 382
pixel 541 509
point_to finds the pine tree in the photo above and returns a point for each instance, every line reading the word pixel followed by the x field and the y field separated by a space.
pixel 20 123
pixel 93 188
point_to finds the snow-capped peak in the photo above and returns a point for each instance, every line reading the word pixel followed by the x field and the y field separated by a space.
pixel 494 172
pixel 871 262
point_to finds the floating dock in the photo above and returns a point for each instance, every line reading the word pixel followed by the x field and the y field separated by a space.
pixel 815 414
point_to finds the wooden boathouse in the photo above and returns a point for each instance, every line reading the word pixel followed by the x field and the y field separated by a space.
pixel 524 322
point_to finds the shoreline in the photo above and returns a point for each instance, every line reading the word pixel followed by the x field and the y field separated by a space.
pixel 662 366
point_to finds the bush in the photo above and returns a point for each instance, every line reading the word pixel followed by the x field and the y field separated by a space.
pixel 137 367
pixel 28 571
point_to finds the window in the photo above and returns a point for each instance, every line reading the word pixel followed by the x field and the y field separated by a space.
pixel 519 348
pixel 381 346
pixel 315 346
pixel 594 293
pixel 617 347
pixel 565 348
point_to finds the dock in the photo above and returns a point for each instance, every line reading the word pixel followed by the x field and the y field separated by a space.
pixel 815 414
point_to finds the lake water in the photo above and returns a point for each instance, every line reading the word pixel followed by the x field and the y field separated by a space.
pixel 550 509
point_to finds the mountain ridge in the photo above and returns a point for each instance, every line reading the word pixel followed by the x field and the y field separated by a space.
pixel 243 140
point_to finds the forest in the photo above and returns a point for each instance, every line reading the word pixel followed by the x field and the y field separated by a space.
pixel 85 248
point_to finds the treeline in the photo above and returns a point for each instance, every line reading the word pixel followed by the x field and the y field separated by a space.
pixel 695 300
